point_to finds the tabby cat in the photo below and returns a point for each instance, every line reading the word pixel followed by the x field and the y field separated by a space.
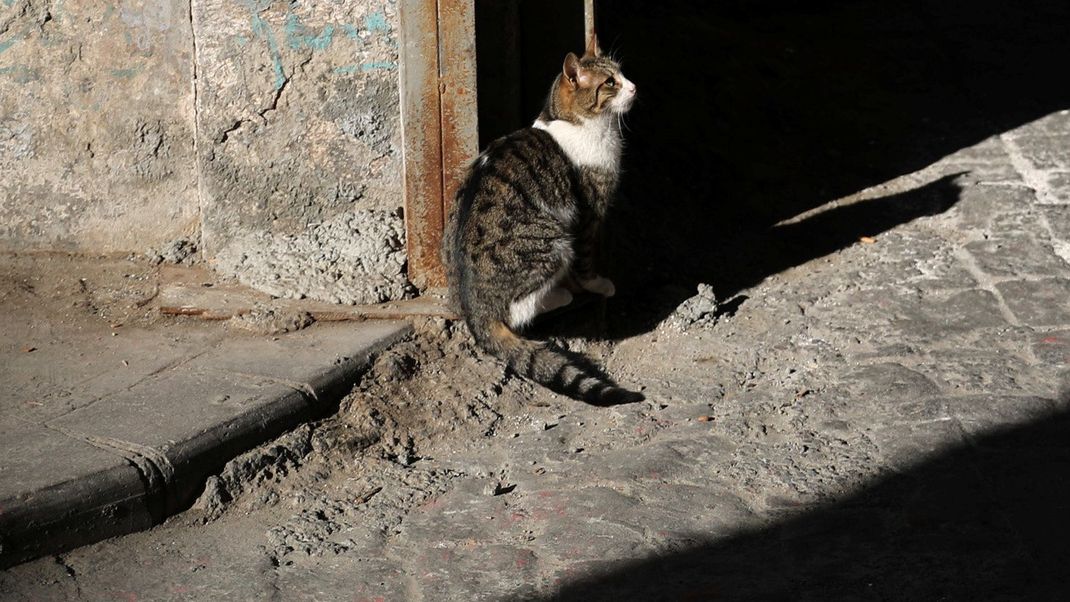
pixel 527 219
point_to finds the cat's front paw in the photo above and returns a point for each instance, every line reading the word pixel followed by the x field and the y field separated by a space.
pixel 600 285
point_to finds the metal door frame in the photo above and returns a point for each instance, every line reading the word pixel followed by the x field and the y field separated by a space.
pixel 439 123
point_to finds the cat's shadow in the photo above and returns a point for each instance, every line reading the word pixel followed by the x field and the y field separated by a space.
pixel 750 114
pixel 745 258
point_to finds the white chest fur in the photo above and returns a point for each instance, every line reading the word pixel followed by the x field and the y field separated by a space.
pixel 594 143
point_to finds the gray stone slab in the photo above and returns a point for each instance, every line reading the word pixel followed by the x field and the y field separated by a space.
pixel 979 205
pixel 185 423
pixel 1058 189
pixel 57 492
pixel 1038 303
pixel 986 161
pixel 172 407
pixel 889 381
pixel 117 172
pixel 1052 348
pixel 979 414
pixel 477 572
pixel 125 461
pixel 68 370
pixel 1046 151
pixel 981 369
pixel 911 257
pixel 340 578
pixel 26 444
pixel 474 516
pixel 1059 217
pixel 1017 222
pixel 961 312
pixel 1016 256
pixel 225 568
pixel 904 445
pixel 319 357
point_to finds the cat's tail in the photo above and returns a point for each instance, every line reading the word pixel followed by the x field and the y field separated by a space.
pixel 557 369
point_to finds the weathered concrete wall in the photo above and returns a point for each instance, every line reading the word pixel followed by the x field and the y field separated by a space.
pixel 96 124
pixel 267 130
pixel 299 145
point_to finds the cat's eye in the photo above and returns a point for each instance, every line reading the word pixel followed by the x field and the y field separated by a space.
pixel 609 83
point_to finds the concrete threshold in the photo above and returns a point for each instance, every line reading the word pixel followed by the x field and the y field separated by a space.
pixel 129 459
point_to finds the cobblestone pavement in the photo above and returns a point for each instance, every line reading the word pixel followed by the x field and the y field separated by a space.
pixel 882 422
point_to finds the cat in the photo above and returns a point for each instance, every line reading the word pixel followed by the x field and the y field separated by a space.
pixel 526 224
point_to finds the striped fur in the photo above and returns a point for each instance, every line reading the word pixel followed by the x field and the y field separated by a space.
pixel 526 223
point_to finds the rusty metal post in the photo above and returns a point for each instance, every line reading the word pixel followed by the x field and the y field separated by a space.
pixel 421 140
pixel 457 84
pixel 438 120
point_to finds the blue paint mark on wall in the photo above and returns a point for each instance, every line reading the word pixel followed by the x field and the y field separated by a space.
pixel 260 28
pixel 20 73
pixel 124 73
pixel 366 67
pixel 376 22
pixel 297 35
pixel 9 2
pixel 5 45
pixel 352 32
pixel 378 65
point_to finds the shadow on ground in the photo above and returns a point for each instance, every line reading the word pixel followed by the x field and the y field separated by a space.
pixel 753 112
pixel 768 251
pixel 987 521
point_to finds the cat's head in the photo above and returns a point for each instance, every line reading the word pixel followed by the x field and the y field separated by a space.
pixel 591 86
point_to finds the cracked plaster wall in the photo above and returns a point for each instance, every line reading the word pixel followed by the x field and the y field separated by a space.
pixel 96 124
pixel 266 130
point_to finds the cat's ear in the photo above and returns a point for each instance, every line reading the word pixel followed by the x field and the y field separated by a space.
pixel 571 68
pixel 593 51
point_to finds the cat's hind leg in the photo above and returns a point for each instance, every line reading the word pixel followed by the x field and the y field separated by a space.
pixel 586 275
pixel 556 297
pixel 550 295
pixel 542 259
pixel 599 285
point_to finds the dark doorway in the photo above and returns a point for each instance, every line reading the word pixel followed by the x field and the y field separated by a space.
pixel 520 45
pixel 753 112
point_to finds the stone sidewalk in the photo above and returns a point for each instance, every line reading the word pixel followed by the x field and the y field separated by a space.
pixel 102 435
pixel 885 421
